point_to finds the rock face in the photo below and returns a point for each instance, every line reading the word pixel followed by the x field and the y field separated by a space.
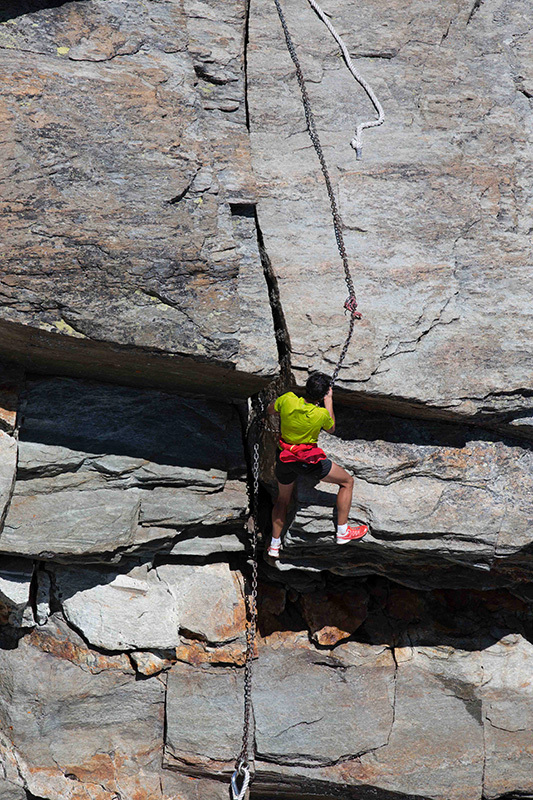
pixel 439 500
pixel 168 247
pixel 145 609
pixel 120 228
pixel 108 471
pixel 437 230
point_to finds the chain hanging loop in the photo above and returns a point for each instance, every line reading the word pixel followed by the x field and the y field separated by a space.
pixel 351 303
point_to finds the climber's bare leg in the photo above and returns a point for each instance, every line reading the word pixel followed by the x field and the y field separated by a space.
pixel 281 506
pixel 345 482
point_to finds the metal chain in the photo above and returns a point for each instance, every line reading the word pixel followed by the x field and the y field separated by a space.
pixel 245 767
pixel 351 302
pixel 247 755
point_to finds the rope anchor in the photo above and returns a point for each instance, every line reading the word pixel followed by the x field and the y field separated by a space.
pixel 350 305
pixel 242 771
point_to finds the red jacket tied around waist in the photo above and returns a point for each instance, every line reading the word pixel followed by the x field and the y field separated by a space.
pixel 304 453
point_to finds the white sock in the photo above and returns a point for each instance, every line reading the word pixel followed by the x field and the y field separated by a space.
pixel 275 542
pixel 341 529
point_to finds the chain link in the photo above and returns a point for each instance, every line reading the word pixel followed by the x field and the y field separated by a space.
pixel 351 302
pixel 246 756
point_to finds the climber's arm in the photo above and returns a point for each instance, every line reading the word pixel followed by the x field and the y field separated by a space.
pixel 271 409
pixel 328 404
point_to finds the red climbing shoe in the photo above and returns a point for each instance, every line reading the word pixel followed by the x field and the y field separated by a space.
pixel 352 534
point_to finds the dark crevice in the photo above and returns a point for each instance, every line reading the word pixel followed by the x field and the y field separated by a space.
pixel 18 8
pixel 135 366
pixel 281 331
pixel 246 40
pixel 206 76
pixel 386 54
pixel 178 197
pixel 243 210
pixel 474 9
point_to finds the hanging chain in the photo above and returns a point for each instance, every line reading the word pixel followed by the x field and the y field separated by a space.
pixel 245 767
pixel 246 755
pixel 351 301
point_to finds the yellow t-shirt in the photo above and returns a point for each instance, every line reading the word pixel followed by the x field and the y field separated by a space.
pixel 301 422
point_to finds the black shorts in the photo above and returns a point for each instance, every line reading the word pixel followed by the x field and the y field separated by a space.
pixel 288 472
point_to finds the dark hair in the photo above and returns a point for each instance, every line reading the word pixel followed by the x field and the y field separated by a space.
pixel 317 386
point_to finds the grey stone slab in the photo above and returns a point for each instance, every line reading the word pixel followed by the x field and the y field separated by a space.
pixel 10 791
pixel 102 727
pixel 15 583
pixel 127 430
pixel 294 726
pixel 437 737
pixel 145 609
pixel 210 697
pixel 119 611
pixel 210 599
pixel 8 465
pixel 181 508
pixel 433 235
pixel 47 460
pixel 207 545
pixel 145 221
pixel 507 695
pixel 70 523
pixel 44 468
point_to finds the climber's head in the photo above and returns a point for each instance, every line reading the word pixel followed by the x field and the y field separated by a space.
pixel 317 387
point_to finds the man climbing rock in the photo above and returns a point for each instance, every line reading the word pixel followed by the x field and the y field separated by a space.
pixel 302 419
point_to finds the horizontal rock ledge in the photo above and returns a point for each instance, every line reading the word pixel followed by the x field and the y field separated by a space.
pixel 48 353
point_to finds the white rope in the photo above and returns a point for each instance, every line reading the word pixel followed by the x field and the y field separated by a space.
pixel 240 794
pixel 356 142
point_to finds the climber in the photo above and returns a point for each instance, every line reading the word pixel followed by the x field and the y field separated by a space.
pixel 302 419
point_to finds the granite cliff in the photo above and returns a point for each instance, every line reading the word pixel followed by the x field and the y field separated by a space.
pixel 167 252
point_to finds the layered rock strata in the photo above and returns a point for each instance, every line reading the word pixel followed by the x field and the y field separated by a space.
pixel 167 231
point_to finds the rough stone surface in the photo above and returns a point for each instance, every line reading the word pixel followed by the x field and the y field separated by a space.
pixel 119 611
pixel 10 791
pixel 450 500
pixel 15 581
pixel 437 232
pixel 135 235
pixel 146 608
pixel 105 469
pixel 78 734
pixel 292 727
pixel 166 227
pixel 8 465
pixel 70 522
